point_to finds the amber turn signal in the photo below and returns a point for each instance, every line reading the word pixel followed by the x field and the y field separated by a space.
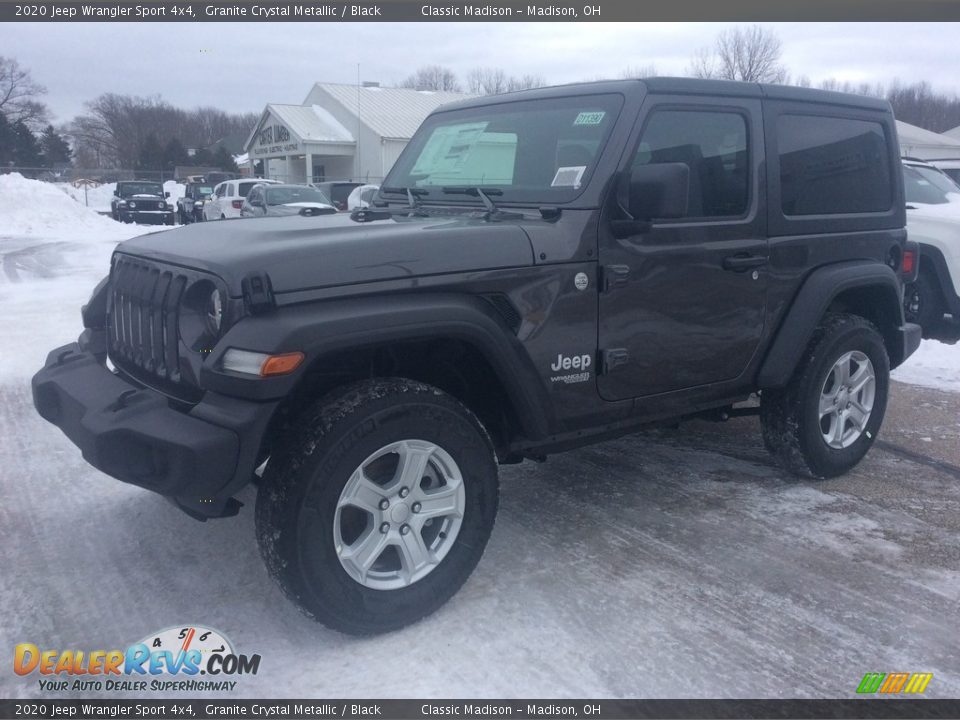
pixel 281 364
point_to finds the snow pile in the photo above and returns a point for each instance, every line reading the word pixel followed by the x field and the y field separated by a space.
pixel 934 364
pixel 95 197
pixel 38 209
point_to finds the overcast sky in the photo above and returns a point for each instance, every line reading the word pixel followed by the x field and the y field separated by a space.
pixel 242 66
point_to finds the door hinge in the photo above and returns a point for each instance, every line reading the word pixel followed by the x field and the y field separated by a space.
pixel 614 276
pixel 612 359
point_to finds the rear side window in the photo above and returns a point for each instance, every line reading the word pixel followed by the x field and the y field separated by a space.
pixel 833 166
pixel 245 188
pixel 714 146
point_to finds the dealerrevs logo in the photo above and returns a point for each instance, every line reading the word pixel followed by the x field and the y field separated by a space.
pixel 170 660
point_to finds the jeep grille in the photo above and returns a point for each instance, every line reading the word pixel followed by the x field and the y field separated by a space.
pixel 143 315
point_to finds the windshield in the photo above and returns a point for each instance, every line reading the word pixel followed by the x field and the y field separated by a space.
pixel 203 191
pixel 286 195
pixel 927 186
pixel 533 151
pixel 144 188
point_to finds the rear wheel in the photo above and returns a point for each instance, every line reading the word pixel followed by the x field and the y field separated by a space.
pixel 377 505
pixel 827 417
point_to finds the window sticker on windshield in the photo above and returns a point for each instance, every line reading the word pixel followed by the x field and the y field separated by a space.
pixel 568 176
pixel 589 118
pixel 448 149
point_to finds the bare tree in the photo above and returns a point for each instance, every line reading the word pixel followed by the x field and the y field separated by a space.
pixel 750 53
pixel 115 128
pixel 432 77
pixel 19 95
pixel 486 81
pixel 525 82
pixel 638 72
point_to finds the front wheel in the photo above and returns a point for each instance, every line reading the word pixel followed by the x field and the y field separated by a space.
pixel 828 415
pixel 377 505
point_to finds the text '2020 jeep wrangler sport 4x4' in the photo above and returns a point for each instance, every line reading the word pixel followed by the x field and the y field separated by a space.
pixel 543 269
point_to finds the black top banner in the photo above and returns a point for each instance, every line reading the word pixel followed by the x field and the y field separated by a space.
pixel 479 709
pixel 498 10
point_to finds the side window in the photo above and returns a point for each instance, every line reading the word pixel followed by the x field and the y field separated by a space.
pixel 714 146
pixel 833 166
pixel 219 191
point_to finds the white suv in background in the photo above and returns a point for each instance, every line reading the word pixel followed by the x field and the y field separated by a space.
pixel 949 167
pixel 933 221
pixel 228 197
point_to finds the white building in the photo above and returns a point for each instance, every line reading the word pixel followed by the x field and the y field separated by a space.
pixel 340 132
pixel 925 145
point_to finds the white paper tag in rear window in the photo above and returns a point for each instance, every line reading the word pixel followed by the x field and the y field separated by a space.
pixel 568 176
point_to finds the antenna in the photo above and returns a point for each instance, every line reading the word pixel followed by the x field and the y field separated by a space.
pixel 359 129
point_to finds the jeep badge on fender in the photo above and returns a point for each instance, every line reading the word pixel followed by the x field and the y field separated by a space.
pixel 376 367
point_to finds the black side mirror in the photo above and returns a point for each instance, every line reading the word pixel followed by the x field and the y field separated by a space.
pixel 657 191
pixel 166 194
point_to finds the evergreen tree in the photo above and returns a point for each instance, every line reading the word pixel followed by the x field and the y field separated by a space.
pixel 224 160
pixel 6 141
pixel 55 149
pixel 151 154
pixel 174 153
pixel 26 149
pixel 202 158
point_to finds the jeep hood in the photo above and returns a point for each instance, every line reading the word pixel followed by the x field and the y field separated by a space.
pixel 299 252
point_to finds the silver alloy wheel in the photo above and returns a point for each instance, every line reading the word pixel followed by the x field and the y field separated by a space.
pixel 846 399
pixel 399 514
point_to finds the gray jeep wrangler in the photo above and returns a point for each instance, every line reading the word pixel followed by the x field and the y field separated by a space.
pixel 541 270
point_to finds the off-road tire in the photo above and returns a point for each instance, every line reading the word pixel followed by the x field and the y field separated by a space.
pixel 319 451
pixel 790 418
pixel 926 293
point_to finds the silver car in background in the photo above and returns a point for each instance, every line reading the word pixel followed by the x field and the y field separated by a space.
pixel 277 200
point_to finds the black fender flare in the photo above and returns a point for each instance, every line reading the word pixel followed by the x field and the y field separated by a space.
pixel 934 257
pixel 322 328
pixel 817 292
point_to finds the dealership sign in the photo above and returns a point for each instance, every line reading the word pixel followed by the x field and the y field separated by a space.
pixel 274 139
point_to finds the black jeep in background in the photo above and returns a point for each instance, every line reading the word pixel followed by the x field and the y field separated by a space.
pixel 542 270
pixel 141 201
pixel 190 206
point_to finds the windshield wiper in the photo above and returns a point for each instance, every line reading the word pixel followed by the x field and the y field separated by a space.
pixel 412 194
pixel 484 194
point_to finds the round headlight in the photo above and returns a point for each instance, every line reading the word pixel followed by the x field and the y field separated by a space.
pixel 214 313
pixel 132 204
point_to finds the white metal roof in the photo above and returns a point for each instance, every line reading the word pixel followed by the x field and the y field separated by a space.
pixel 389 112
pixel 311 124
pixel 954 133
pixel 913 135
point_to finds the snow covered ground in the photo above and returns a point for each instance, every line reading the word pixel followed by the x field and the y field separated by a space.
pixel 666 564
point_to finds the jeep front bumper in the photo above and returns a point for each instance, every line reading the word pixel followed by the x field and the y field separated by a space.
pixel 199 456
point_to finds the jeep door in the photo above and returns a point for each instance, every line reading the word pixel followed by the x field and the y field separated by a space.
pixel 682 301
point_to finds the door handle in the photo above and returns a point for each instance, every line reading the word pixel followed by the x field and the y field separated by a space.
pixel 739 263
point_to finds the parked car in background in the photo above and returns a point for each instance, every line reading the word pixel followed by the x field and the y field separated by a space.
pixel 933 220
pixel 362 197
pixel 274 200
pixel 228 197
pixel 190 206
pixel 141 201
pixel 949 167
pixel 338 192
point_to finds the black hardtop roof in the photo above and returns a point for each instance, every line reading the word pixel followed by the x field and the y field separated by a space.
pixel 683 86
